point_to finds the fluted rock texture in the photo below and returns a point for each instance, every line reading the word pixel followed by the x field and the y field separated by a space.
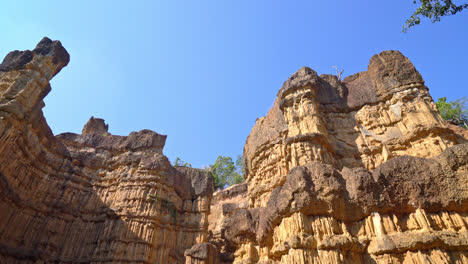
pixel 223 205
pixel 89 198
pixel 362 121
pixel 362 170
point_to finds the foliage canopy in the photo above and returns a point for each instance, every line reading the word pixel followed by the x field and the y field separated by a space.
pixel 226 172
pixel 432 9
pixel 454 112
pixel 180 163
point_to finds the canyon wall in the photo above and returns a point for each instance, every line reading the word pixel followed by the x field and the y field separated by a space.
pixel 362 121
pixel 362 170
pixel 91 197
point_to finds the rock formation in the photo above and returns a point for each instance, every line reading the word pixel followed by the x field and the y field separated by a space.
pixel 362 170
pixel 223 205
pixel 93 197
pixel 363 121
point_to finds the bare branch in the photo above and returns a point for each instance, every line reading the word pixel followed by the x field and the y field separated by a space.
pixel 338 72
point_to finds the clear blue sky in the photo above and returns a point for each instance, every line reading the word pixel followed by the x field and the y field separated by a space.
pixel 201 72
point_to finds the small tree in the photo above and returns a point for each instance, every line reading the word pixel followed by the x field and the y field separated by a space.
pixel 225 172
pixel 180 163
pixel 454 112
pixel 240 165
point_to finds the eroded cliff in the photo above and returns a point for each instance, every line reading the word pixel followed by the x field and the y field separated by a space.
pixel 362 170
pixel 93 197
pixel 362 121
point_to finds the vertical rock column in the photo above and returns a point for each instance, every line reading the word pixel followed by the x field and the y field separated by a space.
pixel 346 164
pixel 92 197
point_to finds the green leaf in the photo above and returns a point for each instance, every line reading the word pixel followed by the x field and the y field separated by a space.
pixel 454 112
pixel 433 10
pixel 225 172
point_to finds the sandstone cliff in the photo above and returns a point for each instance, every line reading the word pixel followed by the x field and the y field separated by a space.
pixel 93 197
pixel 223 205
pixel 362 170
pixel 363 121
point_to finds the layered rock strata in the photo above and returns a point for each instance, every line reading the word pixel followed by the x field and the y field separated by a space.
pixel 91 197
pixel 408 210
pixel 362 121
pixel 362 170
pixel 223 205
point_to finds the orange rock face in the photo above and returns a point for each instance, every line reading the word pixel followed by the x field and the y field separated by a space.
pixel 363 121
pixel 90 198
pixel 362 170
pixel 223 205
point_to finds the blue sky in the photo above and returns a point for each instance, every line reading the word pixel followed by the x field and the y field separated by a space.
pixel 201 72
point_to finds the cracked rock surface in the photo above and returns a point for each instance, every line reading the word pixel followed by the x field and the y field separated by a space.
pixel 85 198
pixel 360 170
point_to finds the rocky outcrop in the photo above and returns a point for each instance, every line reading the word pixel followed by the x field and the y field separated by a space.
pixel 203 253
pixel 459 130
pixel 95 126
pixel 91 197
pixel 362 170
pixel 223 205
pixel 363 121
pixel 408 210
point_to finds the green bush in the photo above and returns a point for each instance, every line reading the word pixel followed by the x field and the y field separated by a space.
pixel 180 163
pixel 226 172
pixel 454 112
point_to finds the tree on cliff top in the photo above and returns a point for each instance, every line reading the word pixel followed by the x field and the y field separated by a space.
pixel 180 163
pixel 454 112
pixel 226 172
pixel 434 10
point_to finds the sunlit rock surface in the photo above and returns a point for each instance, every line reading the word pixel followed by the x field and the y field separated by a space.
pixel 363 121
pixel 223 205
pixel 89 198
pixel 362 170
